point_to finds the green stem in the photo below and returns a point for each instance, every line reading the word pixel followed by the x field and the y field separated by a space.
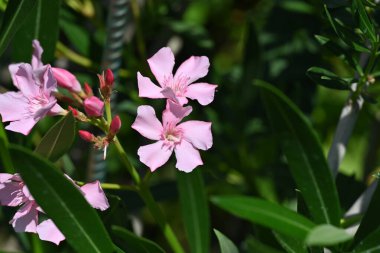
pixel 148 199
pixel 111 186
pixel 107 106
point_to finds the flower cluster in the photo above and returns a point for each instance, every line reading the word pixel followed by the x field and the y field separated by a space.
pixel 14 192
pixel 183 138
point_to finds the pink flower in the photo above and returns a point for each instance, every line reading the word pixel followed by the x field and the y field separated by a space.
pixel 93 106
pixel 66 80
pixel 13 192
pixel 184 139
pixel 35 98
pixel 180 86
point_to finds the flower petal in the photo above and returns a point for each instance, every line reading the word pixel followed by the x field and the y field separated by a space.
pixel 193 68
pixel 25 81
pixel 174 113
pixel 11 194
pixel 147 124
pixel 56 110
pixel 162 64
pixel 4 177
pixel 187 156
pixel 154 155
pixel 48 231
pixel 197 133
pixel 37 53
pixel 203 92
pixel 147 88
pixel 95 196
pixel 23 126
pixel 26 218
pixel 12 70
pixel 13 106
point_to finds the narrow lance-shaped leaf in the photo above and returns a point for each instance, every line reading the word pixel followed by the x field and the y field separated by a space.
pixel 327 79
pixel 290 244
pixel 58 140
pixel 327 235
pixel 304 155
pixel 14 16
pixel 226 245
pixel 267 214
pixel 370 244
pixel 195 211
pixel 365 23
pixel 62 202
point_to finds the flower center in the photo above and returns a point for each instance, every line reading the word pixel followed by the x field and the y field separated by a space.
pixel 172 135
pixel 178 85
pixel 37 102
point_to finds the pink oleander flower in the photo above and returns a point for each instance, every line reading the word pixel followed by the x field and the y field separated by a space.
pixel 184 139
pixel 35 98
pixel 180 86
pixel 67 80
pixel 13 192
pixel 93 106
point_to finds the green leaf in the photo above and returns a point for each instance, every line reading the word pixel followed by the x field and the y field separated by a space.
pixel 365 23
pixel 134 243
pixel 327 235
pixel 195 211
pixel 42 25
pixel 6 160
pixel 290 244
pixel 226 245
pixel 267 214
pixel 58 140
pixel 327 79
pixel 14 16
pixel 370 221
pixel 304 155
pixel 370 244
pixel 254 245
pixel 62 202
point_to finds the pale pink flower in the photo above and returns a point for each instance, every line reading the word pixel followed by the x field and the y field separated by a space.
pixel 184 139
pixel 67 80
pixel 180 86
pixel 35 98
pixel 93 106
pixel 13 192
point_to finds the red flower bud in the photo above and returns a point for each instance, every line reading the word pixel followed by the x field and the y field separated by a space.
pixel 109 78
pixel 88 90
pixel 87 136
pixel 93 106
pixel 115 125
pixel 74 111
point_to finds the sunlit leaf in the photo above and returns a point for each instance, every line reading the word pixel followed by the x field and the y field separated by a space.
pixel 226 245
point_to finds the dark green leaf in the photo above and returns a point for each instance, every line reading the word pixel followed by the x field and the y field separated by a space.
pixel 254 245
pixel 290 244
pixel 62 202
pixel 304 155
pixel 370 221
pixel 268 214
pixel 134 243
pixel 58 139
pixel 226 245
pixel 327 235
pixel 195 211
pixel 327 79
pixel 365 23
pixel 14 17
pixel 42 25
pixel 370 244
pixel 4 152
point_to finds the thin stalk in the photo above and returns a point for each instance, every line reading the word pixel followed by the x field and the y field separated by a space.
pixel 111 186
pixel 107 106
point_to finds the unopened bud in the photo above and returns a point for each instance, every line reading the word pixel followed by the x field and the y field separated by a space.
pixel 88 90
pixel 66 80
pixel 115 125
pixel 109 78
pixel 93 106
pixel 87 136
pixel 74 111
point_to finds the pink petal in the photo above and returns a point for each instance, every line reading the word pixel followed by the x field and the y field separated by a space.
pixel 48 231
pixel 203 92
pixel 11 194
pixel 154 155
pixel 187 156
pixel 168 92
pixel 25 81
pixel 4 177
pixel 66 79
pixel 45 110
pixel 95 195
pixel 193 68
pixel 13 106
pixel 56 110
pixel 147 89
pixel 162 64
pixel 13 69
pixel 197 133
pixel 26 218
pixel 174 113
pixel 37 53
pixel 147 124
pixel 23 126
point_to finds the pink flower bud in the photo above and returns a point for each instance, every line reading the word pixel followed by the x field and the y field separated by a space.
pixel 93 106
pixel 74 111
pixel 87 136
pixel 66 80
pixel 109 78
pixel 115 125
pixel 88 90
